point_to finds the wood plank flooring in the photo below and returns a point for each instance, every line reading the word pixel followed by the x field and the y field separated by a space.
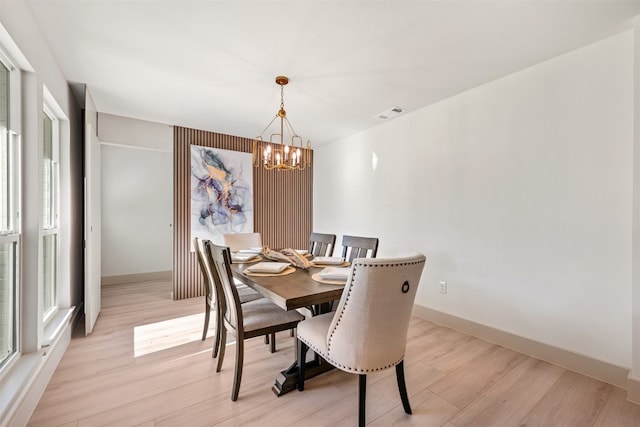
pixel 145 365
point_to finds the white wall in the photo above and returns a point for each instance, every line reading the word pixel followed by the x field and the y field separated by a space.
pixel 519 192
pixel 137 196
pixel 16 17
pixel 135 133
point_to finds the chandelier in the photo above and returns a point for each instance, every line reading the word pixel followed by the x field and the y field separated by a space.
pixel 279 152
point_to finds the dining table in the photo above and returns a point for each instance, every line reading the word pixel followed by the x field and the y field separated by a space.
pixel 290 292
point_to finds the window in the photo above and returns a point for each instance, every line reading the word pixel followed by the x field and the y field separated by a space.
pixel 35 268
pixel 9 227
pixel 50 214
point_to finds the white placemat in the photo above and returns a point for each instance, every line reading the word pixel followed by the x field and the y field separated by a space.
pixel 284 272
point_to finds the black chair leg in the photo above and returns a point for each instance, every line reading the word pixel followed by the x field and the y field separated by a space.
pixel 272 347
pixel 302 356
pixel 207 312
pixel 222 348
pixel 402 387
pixel 266 339
pixel 362 405
pixel 217 340
pixel 237 376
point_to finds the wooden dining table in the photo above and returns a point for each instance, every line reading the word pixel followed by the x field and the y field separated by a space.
pixel 290 292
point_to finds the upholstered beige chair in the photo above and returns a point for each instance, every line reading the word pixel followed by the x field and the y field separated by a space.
pixel 237 241
pixel 245 293
pixel 368 331
pixel 248 320
pixel 359 247
pixel 321 244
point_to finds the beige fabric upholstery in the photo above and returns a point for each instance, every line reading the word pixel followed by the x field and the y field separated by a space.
pixel 368 331
pixel 263 313
pixel 237 241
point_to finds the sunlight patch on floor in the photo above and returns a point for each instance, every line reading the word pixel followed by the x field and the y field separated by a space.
pixel 167 334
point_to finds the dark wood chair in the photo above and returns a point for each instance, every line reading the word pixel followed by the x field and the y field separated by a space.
pixel 359 247
pixel 210 302
pixel 248 320
pixel 238 241
pixel 368 332
pixel 321 244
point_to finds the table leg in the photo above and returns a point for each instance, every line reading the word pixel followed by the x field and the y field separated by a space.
pixel 288 379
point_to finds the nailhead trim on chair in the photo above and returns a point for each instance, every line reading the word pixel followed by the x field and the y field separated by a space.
pixel 339 365
pixel 393 265
pixel 340 318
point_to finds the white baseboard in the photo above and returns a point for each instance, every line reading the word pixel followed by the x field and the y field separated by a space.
pixel 137 277
pixel 594 368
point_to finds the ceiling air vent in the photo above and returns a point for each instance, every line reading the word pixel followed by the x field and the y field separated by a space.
pixel 390 113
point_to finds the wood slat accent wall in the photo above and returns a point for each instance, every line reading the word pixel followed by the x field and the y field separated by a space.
pixel 282 203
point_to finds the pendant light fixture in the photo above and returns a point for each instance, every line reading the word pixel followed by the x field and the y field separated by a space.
pixel 281 152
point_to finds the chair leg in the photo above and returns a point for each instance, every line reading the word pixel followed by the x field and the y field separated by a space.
pixel 207 312
pixel 302 353
pixel 266 339
pixel 222 348
pixel 362 388
pixel 237 377
pixel 402 387
pixel 273 343
pixel 218 340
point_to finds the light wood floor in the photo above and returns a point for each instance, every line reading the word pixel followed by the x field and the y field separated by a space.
pixel 144 365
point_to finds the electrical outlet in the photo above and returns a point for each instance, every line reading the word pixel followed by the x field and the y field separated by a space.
pixel 443 287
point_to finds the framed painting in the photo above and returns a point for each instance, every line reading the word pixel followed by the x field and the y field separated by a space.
pixel 221 192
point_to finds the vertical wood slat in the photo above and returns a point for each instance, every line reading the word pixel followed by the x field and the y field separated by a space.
pixel 282 203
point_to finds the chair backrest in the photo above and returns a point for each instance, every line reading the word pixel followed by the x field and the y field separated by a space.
pixel 369 329
pixel 359 247
pixel 237 241
pixel 206 267
pixel 230 304
pixel 321 244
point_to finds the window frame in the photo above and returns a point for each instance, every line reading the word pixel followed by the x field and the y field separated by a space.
pixel 52 229
pixel 13 232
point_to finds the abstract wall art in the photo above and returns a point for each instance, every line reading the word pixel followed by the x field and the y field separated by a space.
pixel 221 192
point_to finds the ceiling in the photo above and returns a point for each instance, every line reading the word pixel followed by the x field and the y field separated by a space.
pixel 212 64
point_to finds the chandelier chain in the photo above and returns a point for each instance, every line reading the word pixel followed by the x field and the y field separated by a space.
pixel 282 97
